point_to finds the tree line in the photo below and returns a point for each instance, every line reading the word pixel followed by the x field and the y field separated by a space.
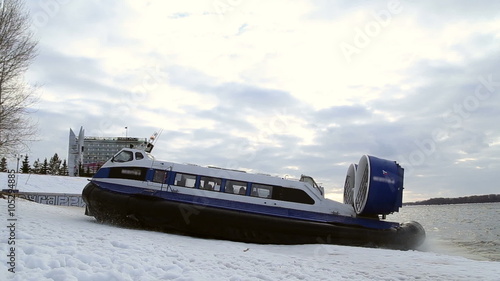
pixel 53 166
pixel 490 198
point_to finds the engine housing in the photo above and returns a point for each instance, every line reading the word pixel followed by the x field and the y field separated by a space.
pixel 378 186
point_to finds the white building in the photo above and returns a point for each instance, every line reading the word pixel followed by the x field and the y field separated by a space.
pixel 92 152
pixel 75 152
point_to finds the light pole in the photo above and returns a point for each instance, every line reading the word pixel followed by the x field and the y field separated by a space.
pixel 18 157
pixel 126 132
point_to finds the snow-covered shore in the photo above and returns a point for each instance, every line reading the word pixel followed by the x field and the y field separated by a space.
pixel 46 183
pixel 61 243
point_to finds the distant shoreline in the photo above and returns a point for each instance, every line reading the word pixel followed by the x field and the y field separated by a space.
pixel 491 198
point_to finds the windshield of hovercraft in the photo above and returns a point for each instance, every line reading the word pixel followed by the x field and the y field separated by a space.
pixel 123 156
pixel 311 181
pixel 126 156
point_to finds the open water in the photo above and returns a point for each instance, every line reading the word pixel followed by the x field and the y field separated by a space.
pixel 468 230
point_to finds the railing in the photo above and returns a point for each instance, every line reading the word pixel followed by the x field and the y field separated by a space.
pixel 59 199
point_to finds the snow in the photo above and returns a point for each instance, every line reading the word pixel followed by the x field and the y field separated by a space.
pixel 46 183
pixel 61 243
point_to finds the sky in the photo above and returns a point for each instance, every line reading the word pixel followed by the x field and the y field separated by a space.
pixel 282 87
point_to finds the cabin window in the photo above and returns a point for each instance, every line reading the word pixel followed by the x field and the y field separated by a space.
pixel 124 156
pixel 209 183
pixel 236 187
pixel 291 195
pixel 262 190
pixel 159 176
pixel 139 156
pixel 185 180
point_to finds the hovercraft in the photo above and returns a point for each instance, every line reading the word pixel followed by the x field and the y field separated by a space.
pixel 135 188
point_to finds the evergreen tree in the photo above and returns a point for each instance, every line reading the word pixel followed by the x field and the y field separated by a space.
pixel 64 169
pixel 36 166
pixel 45 167
pixel 54 165
pixel 3 165
pixel 25 169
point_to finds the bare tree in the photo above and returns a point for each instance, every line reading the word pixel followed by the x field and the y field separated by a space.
pixel 17 51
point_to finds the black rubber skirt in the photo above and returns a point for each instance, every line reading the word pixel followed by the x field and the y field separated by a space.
pixel 192 219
